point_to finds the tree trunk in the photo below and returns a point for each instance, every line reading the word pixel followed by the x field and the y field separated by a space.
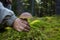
pixel 58 7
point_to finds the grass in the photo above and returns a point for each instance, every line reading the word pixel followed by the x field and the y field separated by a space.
pixel 45 28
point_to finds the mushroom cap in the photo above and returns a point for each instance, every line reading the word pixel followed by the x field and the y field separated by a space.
pixel 25 15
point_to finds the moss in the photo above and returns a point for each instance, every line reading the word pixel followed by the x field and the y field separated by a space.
pixel 45 28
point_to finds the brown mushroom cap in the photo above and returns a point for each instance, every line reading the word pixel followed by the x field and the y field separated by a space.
pixel 25 15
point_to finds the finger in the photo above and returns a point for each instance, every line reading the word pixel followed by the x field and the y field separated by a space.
pixel 25 26
pixel 25 22
pixel 16 28
pixel 25 30
pixel 22 28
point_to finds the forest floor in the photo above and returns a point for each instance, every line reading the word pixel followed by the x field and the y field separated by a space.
pixel 45 28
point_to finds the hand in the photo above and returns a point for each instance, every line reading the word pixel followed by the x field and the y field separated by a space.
pixel 21 25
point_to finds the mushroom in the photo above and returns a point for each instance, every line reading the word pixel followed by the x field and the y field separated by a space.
pixel 25 16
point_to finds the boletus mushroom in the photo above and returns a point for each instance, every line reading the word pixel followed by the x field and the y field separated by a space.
pixel 25 16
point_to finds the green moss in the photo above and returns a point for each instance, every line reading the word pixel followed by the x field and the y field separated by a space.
pixel 45 28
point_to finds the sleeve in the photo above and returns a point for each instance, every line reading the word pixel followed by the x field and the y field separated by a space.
pixel 10 19
pixel 7 17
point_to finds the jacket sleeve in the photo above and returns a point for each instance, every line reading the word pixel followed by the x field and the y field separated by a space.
pixel 7 16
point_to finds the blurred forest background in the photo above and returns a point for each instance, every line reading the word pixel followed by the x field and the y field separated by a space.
pixel 44 24
pixel 35 7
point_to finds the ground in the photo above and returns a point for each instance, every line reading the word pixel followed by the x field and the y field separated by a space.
pixel 45 28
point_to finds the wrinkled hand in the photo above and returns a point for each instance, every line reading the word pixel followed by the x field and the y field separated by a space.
pixel 21 25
